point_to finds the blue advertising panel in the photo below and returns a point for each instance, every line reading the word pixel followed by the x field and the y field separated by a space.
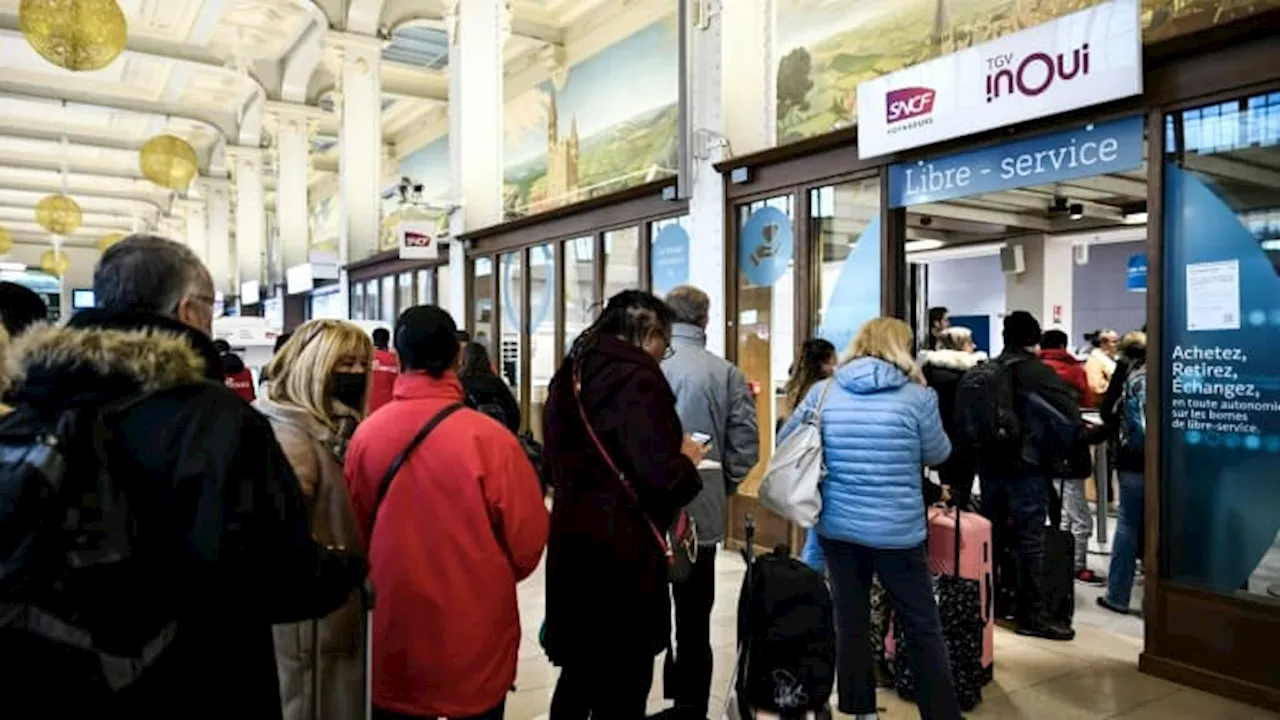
pixel 1094 149
pixel 765 246
pixel 669 259
pixel 1137 281
pixel 1221 419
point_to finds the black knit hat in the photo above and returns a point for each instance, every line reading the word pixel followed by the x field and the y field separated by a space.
pixel 1021 330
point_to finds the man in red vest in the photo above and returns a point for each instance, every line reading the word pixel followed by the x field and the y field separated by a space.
pixel 386 365
pixel 236 376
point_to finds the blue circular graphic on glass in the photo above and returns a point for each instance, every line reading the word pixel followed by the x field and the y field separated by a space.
pixel 539 307
pixel 1193 437
pixel 1253 442
pixel 669 259
pixel 765 246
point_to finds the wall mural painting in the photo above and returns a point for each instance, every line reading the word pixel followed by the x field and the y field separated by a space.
pixel 608 123
pixel 427 166
pixel 827 47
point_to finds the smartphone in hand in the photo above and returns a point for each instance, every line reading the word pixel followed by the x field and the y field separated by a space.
pixel 701 438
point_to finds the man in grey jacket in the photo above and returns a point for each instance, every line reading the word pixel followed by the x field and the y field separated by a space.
pixel 712 398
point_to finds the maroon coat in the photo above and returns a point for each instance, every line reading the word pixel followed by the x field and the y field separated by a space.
pixel 607 588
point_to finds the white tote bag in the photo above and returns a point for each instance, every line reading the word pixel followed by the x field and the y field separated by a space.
pixel 792 482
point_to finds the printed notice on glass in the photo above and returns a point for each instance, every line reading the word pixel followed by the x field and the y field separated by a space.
pixel 1213 295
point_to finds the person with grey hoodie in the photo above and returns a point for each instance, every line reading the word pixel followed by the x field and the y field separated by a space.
pixel 712 398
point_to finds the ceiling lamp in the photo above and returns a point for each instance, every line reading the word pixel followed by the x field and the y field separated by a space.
pixel 54 262
pixel 168 161
pixel 106 241
pixel 58 214
pixel 74 34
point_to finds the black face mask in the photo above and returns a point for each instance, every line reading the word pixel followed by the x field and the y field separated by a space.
pixel 350 388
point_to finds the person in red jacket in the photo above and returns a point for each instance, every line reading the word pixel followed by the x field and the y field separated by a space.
pixel 1054 353
pixel 385 368
pixel 459 524
pixel 236 376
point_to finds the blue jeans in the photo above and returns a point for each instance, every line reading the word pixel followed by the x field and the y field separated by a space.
pixel 906 578
pixel 1130 527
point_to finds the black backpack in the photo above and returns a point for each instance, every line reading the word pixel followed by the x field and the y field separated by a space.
pixel 532 448
pixel 786 637
pixel 986 408
pixel 76 599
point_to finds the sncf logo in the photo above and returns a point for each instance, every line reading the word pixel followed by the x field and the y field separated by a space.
pixel 906 103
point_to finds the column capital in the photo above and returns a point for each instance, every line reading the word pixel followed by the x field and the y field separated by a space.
pixel 345 46
pixel 280 115
pixel 245 158
pixel 188 206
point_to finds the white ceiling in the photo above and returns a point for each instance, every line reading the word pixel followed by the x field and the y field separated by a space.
pixel 192 68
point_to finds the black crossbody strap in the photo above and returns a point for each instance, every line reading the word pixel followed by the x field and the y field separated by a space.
pixel 399 462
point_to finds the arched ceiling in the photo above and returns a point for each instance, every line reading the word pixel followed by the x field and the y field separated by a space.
pixel 206 70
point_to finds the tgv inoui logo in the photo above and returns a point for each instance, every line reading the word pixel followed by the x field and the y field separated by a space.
pixel 909 102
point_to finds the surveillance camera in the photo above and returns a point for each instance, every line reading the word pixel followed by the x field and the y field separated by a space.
pixel 925 221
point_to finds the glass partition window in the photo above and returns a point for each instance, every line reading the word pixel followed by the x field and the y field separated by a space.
pixel 543 355
pixel 425 289
pixel 844 225
pixel 405 296
pixel 621 261
pixel 579 287
pixel 357 301
pixel 1220 423
pixel 511 289
pixel 482 296
pixel 371 303
pixel 388 312
pixel 766 296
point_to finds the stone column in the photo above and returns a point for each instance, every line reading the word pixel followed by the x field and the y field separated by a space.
pixel 290 126
pixel 218 234
pixel 357 61
pixel 197 235
pixel 730 113
pixel 478 30
pixel 246 164
pixel 1044 289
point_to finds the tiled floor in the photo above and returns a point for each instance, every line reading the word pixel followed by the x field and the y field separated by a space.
pixel 1095 676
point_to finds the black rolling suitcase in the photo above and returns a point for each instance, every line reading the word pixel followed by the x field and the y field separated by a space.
pixel 1059 579
pixel 1059 565
pixel 786 640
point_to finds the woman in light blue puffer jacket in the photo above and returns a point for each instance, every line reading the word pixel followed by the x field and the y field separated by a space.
pixel 880 426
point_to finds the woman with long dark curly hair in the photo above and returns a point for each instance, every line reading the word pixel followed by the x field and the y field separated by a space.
pixel 610 412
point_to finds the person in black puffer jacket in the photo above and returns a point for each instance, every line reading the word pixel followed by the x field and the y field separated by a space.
pixel 943 368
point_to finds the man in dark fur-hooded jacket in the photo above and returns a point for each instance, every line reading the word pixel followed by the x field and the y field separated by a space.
pixel 219 513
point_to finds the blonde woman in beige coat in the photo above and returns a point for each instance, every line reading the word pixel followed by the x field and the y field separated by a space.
pixel 317 394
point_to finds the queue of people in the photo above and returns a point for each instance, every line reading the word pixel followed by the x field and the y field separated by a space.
pixel 392 462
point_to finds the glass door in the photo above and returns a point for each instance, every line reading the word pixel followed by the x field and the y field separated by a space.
pixel 766 306
pixel 580 302
pixel 511 290
pixel 541 337
pixel 844 230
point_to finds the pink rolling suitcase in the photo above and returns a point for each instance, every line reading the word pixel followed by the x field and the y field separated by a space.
pixel 976 557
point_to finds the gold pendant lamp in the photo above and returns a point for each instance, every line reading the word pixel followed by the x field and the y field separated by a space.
pixel 168 161
pixel 6 241
pixel 106 241
pixel 58 214
pixel 54 262
pixel 77 35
